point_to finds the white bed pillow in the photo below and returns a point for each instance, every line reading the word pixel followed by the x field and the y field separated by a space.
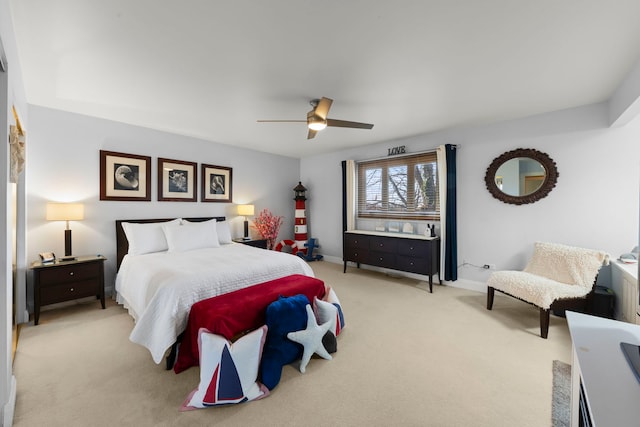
pixel 195 235
pixel 224 233
pixel 146 238
pixel 222 228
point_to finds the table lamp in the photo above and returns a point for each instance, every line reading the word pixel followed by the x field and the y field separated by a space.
pixel 65 212
pixel 246 210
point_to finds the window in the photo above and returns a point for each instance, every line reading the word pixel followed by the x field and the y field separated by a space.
pixel 399 188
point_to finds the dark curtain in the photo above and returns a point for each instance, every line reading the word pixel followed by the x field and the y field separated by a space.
pixel 344 195
pixel 451 235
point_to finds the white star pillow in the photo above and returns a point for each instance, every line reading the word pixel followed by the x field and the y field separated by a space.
pixel 311 339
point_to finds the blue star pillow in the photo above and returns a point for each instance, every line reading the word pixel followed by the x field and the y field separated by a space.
pixel 287 314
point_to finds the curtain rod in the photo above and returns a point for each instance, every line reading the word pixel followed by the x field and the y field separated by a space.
pixel 417 153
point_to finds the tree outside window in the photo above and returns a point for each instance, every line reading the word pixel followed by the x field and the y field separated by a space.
pixel 400 188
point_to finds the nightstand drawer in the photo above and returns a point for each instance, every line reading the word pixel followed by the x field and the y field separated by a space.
pixel 68 291
pixel 69 273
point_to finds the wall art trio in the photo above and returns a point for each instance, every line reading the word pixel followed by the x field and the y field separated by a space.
pixel 127 177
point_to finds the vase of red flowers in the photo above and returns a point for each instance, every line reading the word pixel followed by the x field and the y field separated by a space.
pixel 268 225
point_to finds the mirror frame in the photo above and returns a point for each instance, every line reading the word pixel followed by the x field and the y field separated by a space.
pixel 549 182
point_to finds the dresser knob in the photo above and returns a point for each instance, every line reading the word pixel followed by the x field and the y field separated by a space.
pixel 380 258
pixel 411 263
pixel 72 289
pixel 71 274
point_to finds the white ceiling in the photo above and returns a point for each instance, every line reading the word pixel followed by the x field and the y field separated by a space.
pixel 211 68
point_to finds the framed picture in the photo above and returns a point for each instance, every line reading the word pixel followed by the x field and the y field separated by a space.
pixel 125 177
pixel 216 184
pixel 177 181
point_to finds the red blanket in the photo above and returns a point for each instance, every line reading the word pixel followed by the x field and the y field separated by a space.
pixel 243 310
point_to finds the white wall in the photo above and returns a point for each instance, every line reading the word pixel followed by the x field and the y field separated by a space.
pixel 63 153
pixel 594 204
pixel 11 94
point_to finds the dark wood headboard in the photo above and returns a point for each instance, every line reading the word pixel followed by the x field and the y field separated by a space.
pixel 122 244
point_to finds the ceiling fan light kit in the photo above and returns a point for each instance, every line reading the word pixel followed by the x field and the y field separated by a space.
pixel 316 124
pixel 317 118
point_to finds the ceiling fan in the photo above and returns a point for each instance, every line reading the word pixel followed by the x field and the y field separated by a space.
pixel 317 118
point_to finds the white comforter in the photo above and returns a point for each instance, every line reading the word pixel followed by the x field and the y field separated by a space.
pixel 159 289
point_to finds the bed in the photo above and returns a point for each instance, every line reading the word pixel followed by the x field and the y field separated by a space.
pixel 158 288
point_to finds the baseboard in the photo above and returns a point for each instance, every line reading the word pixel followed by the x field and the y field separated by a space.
pixel 470 285
pixel 467 284
pixel 10 407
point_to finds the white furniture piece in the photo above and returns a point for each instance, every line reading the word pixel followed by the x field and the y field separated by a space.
pixel 604 389
pixel 557 277
pixel 624 282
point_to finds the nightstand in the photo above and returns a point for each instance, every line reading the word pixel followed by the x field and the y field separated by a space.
pixel 258 243
pixel 67 280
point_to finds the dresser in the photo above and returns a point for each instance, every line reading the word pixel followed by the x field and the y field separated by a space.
pixel 411 253
pixel 65 281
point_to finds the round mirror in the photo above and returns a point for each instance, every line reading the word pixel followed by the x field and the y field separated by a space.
pixel 521 176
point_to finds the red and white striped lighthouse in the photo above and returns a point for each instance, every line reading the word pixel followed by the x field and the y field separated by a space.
pixel 300 229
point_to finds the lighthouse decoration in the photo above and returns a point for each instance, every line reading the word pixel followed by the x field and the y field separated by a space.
pixel 301 246
pixel 300 227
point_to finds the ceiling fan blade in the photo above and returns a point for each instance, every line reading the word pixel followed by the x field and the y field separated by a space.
pixel 281 121
pixel 347 124
pixel 322 110
pixel 312 134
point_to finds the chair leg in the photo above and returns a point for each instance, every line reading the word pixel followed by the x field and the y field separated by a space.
pixel 490 294
pixel 544 322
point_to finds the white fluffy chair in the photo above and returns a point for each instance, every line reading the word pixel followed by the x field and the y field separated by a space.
pixel 556 277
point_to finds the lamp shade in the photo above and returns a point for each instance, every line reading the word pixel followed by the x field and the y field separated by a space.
pixel 245 210
pixel 65 211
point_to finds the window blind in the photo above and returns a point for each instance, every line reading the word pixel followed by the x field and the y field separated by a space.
pixel 399 187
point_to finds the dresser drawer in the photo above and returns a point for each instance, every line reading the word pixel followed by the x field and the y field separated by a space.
pixel 414 248
pixel 355 241
pixel 68 291
pixel 65 274
pixel 357 255
pixel 413 265
pixel 382 244
pixel 382 259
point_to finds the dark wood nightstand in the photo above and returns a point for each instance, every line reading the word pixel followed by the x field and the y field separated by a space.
pixel 67 280
pixel 258 243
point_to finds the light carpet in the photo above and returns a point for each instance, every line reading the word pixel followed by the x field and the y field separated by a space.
pixel 406 357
